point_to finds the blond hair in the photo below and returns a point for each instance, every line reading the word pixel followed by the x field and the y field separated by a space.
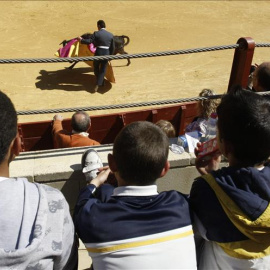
pixel 207 106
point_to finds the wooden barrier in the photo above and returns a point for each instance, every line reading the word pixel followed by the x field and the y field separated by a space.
pixel 104 128
pixel 242 62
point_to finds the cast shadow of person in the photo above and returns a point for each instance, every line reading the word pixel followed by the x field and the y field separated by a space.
pixel 77 79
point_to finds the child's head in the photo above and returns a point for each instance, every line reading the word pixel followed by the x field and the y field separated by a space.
pixel 167 127
pixel 207 106
pixel 140 154
pixel 261 77
pixel 244 123
pixel 8 126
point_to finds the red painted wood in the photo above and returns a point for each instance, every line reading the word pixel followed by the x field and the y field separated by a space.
pixel 104 128
pixel 242 62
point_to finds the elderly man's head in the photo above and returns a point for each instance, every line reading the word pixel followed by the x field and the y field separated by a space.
pixel 80 122
pixel 261 77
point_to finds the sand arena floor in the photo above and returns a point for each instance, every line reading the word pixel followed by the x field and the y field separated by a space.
pixel 34 29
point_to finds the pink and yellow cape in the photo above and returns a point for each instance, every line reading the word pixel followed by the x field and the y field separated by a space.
pixel 75 49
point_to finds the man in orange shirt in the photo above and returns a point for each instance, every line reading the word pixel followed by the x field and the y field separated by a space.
pixel 79 136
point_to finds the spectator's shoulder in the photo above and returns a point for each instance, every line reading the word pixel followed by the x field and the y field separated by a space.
pixel 199 184
pixel 174 195
pixel 52 193
pixel 95 142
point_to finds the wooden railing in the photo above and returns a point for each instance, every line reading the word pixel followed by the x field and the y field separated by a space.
pixel 104 128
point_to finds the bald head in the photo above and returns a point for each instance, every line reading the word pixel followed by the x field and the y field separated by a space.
pixel 261 77
pixel 80 122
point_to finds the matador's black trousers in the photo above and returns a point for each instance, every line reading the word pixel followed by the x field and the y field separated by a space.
pixel 100 66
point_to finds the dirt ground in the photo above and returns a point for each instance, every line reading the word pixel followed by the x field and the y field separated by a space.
pixel 34 29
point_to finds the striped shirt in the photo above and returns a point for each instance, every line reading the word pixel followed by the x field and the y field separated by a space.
pixel 135 228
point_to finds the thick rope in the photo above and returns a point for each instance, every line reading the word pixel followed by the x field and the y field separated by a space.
pixel 115 57
pixel 262 45
pixel 117 106
pixel 121 106
pixel 123 56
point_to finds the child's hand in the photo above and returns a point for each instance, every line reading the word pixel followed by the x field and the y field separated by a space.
pixel 101 177
pixel 208 163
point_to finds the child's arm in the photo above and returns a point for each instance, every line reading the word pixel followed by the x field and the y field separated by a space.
pixel 90 196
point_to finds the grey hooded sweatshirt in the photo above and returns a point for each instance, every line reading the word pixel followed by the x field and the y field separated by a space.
pixel 36 229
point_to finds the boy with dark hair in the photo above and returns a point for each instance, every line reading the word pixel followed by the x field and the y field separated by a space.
pixel 231 205
pixel 134 226
pixel 36 227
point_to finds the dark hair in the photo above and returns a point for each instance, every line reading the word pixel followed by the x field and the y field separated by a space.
pixel 101 24
pixel 263 76
pixel 252 69
pixel 8 124
pixel 140 151
pixel 167 127
pixel 80 121
pixel 244 120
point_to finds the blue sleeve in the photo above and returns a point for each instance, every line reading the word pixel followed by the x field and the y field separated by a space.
pixel 206 206
pixel 89 196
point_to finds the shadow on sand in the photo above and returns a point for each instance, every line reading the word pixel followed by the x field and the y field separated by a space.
pixel 76 79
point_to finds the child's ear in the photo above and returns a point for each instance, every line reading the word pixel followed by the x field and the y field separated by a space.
pixel 112 163
pixel 16 147
pixel 165 169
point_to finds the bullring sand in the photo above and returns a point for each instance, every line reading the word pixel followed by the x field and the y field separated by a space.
pixel 34 29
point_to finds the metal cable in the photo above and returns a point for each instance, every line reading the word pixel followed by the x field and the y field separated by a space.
pixel 117 106
pixel 121 106
pixel 115 57
pixel 122 56
pixel 262 45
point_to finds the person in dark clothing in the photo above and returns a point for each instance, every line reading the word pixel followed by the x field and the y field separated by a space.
pixel 261 77
pixel 103 41
pixel 231 204
pixel 133 226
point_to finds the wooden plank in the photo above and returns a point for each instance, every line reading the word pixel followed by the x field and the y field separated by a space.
pixel 104 128
pixel 189 112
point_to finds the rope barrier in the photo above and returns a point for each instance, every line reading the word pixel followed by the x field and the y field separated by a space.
pixel 262 45
pixel 121 56
pixel 115 57
pixel 117 106
pixel 122 106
